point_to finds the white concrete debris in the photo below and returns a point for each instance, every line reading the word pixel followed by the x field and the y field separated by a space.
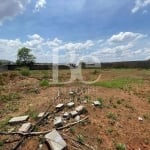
pixel 71 93
pixel 55 141
pixel 66 115
pixel 80 109
pixel 40 115
pixel 60 106
pixel 19 119
pixel 77 118
pixel 140 118
pixel 73 113
pixel 58 122
pixel 96 103
pixel 25 127
pixel 70 104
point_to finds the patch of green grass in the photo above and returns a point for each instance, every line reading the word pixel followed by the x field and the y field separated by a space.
pixel 4 123
pixel 44 82
pixel 112 116
pixel 32 113
pixel 72 130
pixel 118 82
pixel 80 138
pixel 1 144
pixel 9 97
pixel 25 72
pixel 120 146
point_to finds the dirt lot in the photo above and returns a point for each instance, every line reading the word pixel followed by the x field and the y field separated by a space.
pixel 123 93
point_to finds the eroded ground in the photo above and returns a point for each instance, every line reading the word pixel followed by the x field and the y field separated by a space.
pixel 124 99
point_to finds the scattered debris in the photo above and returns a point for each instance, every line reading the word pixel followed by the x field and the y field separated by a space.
pixel 40 115
pixel 58 122
pixel 19 119
pixel 70 104
pixel 25 127
pixel 55 141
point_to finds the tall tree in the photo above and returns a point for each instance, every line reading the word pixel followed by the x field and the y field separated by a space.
pixel 24 57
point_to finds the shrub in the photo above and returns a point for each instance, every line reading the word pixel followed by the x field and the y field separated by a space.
pixel 80 138
pixel 44 82
pixel 112 116
pixel 25 72
pixel 120 146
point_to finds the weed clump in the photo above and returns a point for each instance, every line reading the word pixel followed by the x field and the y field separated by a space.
pixel 44 82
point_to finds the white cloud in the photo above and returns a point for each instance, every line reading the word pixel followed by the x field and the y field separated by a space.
pixel 11 8
pixel 125 37
pixel 39 4
pixel 43 48
pixel 140 4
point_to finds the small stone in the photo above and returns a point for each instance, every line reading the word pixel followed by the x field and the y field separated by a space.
pixel 60 106
pixel 71 104
pixel 40 146
pixel 58 122
pixel 25 127
pixel 66 115
pixel 80 109
pixel 140 118
pixel 77 118
pixel 19 119
pixel 96 103
pixel 71 93
pixel 85 102
pixel 55 141
pixel 73 113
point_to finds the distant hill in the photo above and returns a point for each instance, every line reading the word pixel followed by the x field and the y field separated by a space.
pixel 3 61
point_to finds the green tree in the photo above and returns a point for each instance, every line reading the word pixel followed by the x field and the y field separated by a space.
pixel 24 57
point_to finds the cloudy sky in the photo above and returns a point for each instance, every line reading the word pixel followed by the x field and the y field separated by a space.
pixel 73 30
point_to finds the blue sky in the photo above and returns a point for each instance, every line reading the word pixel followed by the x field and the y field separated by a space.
pixel 101 29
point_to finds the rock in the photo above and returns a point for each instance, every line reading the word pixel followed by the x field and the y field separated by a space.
pixel 70 105
pixel 77 118
pixel 19 119
pixel 60 107
pixel 55 141
pixel 80 109
pixel 58 122
pixel 140 118
pixel 25 127
pixel 40 115
pixel 96 103
pixel 66 115
pixel 73 113
pixel 85 102
pixel 71 93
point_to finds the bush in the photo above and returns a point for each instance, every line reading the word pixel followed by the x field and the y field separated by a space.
pixel 44 83
pixel 120 146
pixel 80 138
pixel 25 72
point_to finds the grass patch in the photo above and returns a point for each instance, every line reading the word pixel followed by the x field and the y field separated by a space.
pixel 25 72
pixel 112 116
pixel 118 82
pixel 9 97
pixel 80 138
pixel 120 146
pixel 44 82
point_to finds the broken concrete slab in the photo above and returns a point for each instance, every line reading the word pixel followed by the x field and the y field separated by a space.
pixel 40 115
pixel 25 127
pixel 58 122
pixel 19 119
pixel 77 118
pixel 66 115
pixel 80 109
pixel 70 104
pixel 96 103
pixel 55 141
pixel 73 113
pixel 60 107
